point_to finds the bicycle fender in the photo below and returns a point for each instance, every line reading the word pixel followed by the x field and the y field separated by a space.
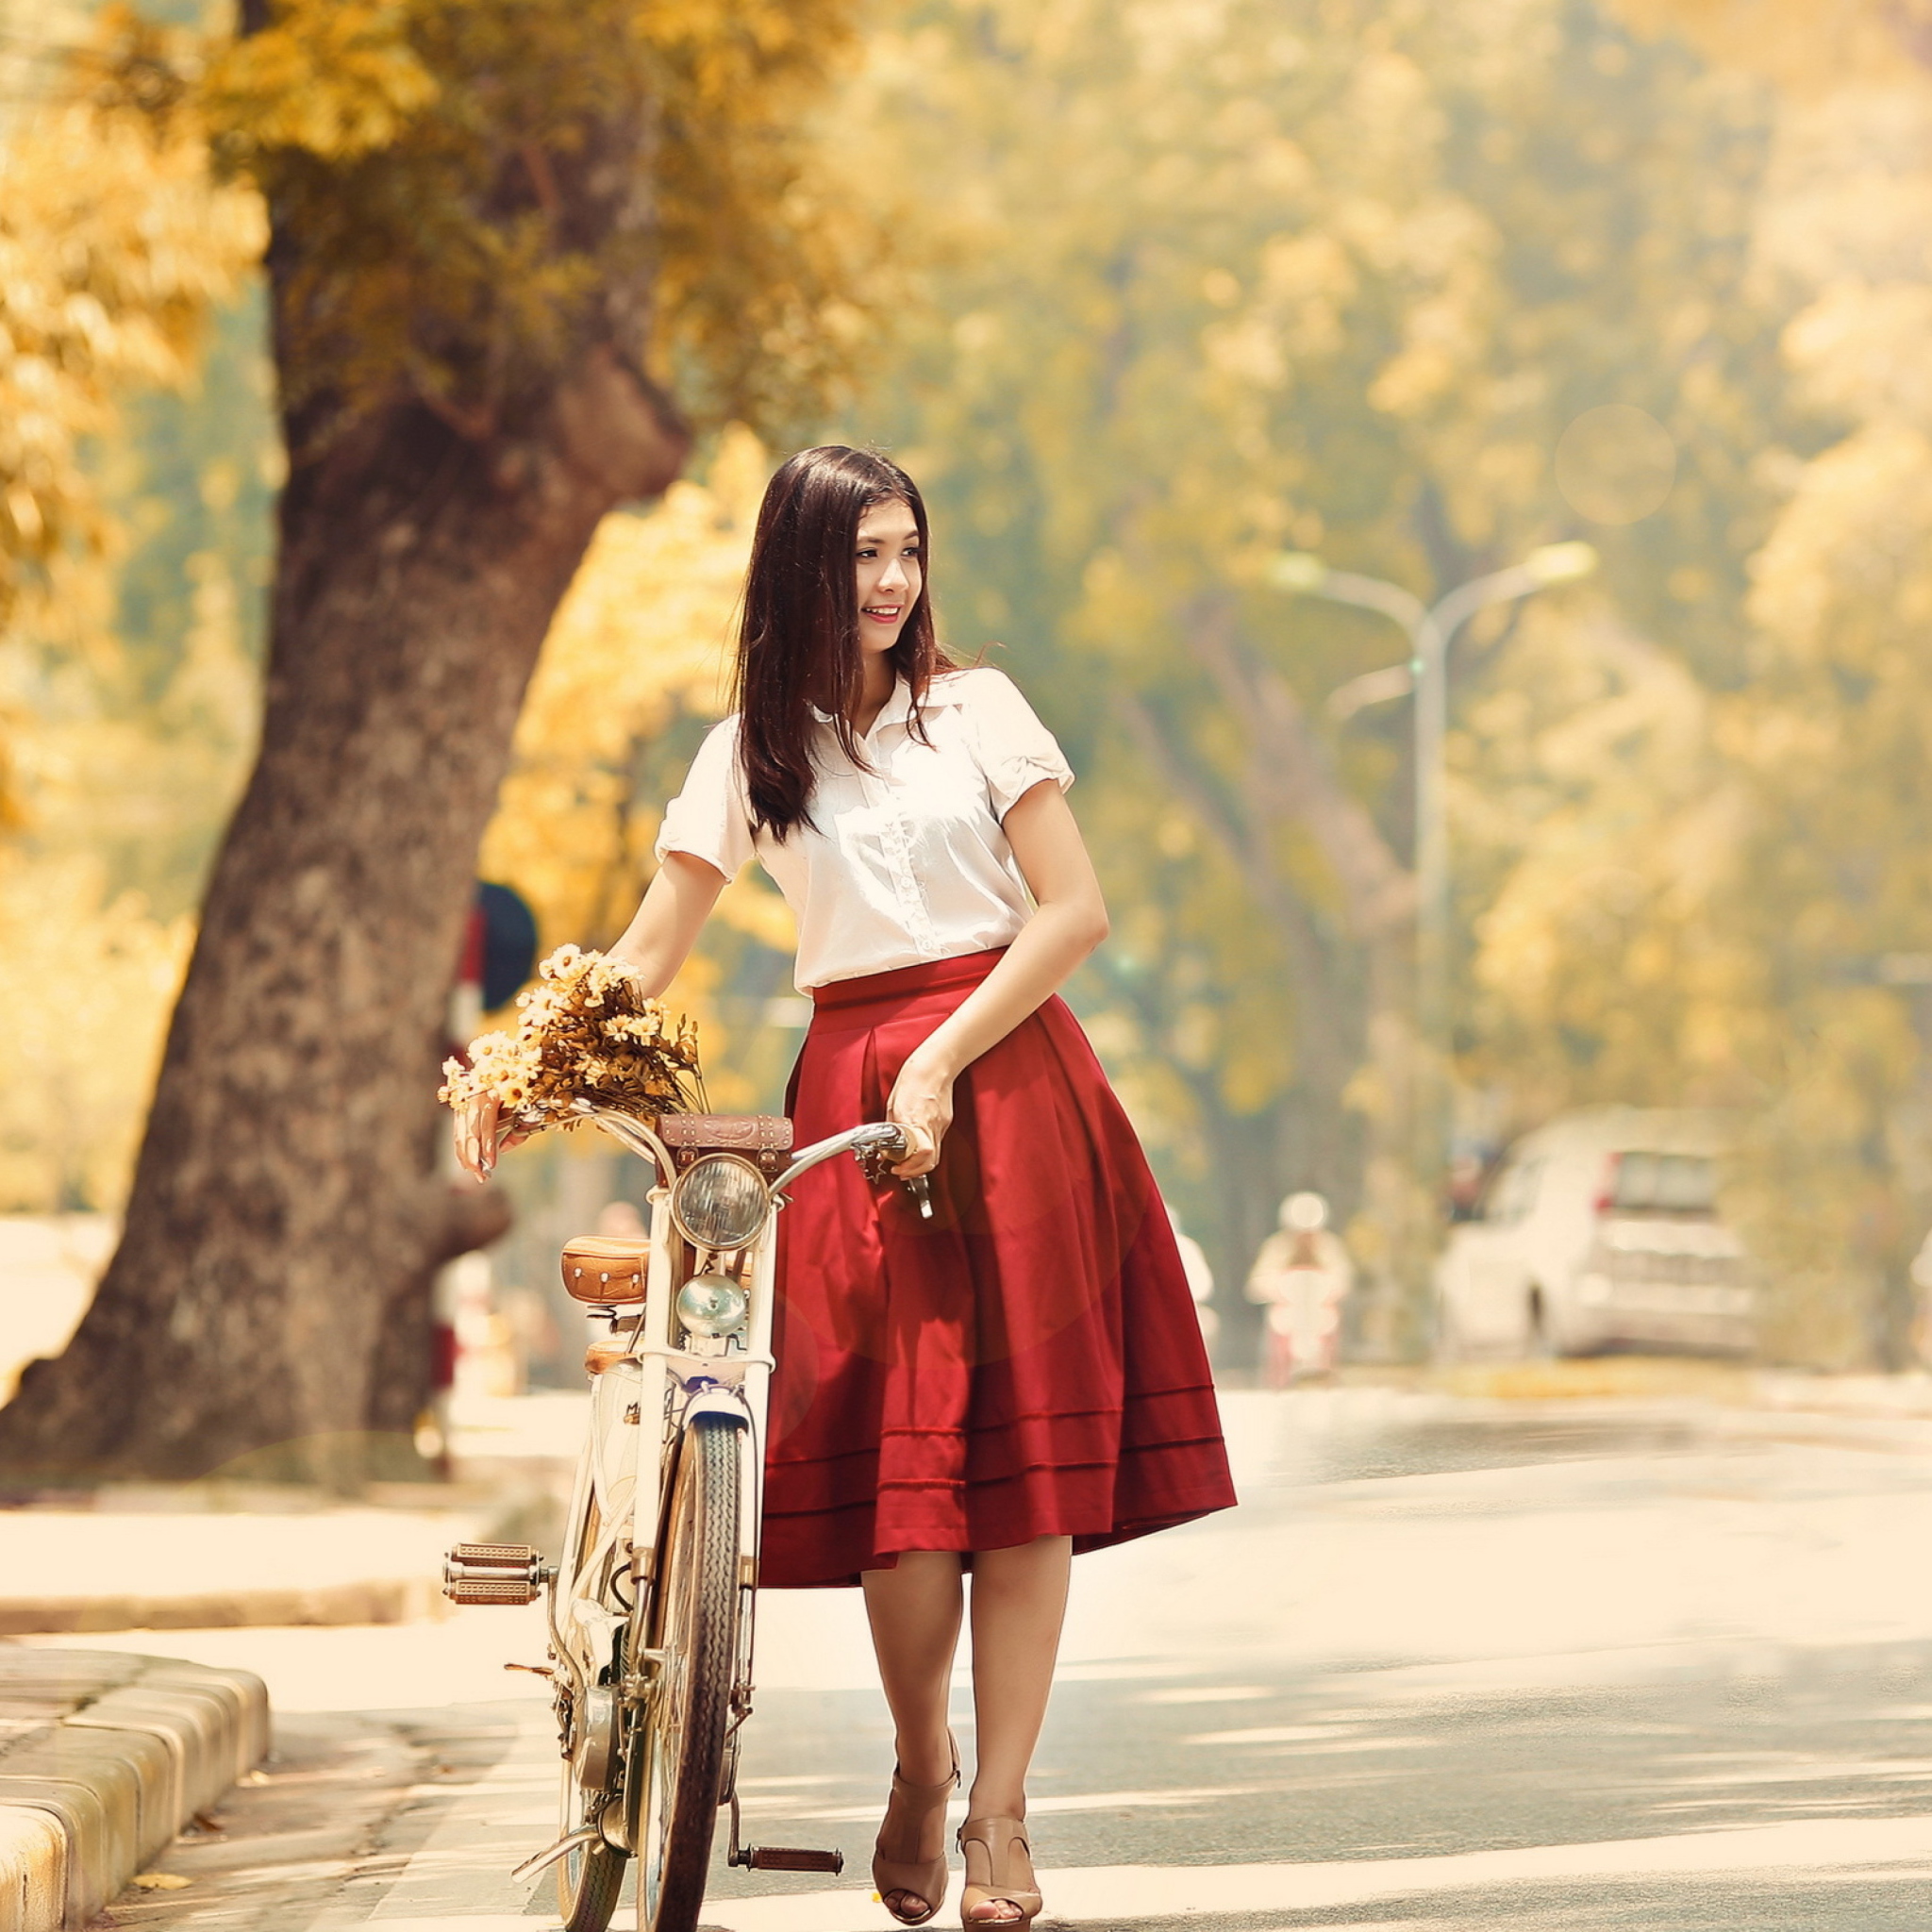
pixel 718 1400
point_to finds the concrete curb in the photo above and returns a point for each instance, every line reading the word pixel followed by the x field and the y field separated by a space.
pixel 394 1600
pixel 104 1757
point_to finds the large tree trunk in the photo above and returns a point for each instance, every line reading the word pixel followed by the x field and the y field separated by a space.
pixel 286 1207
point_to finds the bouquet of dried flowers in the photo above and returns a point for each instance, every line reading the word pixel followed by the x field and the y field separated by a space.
pixel 584 1032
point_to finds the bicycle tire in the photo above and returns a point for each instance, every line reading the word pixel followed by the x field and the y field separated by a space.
pixel 694 1623
pixel 588 1880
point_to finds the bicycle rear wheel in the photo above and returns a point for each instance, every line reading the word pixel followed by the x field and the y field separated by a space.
pixel 589 1879
pixel 680 1757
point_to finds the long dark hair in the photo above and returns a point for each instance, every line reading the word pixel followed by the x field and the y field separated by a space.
pixel 798 639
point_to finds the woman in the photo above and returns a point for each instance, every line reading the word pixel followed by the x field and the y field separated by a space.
pixel 1020 1376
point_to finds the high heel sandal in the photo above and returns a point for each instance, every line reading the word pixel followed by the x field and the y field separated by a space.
pixel 907 1811
pixel 992 1877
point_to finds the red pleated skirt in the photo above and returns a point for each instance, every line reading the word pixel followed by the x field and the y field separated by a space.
pixel 1026 1363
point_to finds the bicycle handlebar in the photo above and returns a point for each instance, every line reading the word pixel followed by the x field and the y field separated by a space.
pixel 883 1140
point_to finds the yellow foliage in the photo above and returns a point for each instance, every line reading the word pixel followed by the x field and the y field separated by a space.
pixel 112 783
pixel 641 639
pixel 1589 804
pixel 482 191
pixel 1222 279
pixel 1804 45
pixel 1709 902
pixel 113 245
pixel 484 188
pixel 327 78
pixel 88 979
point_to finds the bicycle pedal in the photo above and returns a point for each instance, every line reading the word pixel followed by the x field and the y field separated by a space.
pixel 788 1859
pixel 494 1574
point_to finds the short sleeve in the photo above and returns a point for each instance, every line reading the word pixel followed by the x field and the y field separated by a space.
pixel 1015 750
pixel 709 818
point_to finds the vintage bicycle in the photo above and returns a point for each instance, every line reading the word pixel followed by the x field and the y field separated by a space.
pixel 651 1604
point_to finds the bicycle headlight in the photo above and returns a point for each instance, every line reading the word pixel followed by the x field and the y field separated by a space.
pixel 712 1305
pixel 720 1201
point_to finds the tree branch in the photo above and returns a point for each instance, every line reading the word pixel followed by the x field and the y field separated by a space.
pixel 1292 773
pixel 1285 909
pixel 617 426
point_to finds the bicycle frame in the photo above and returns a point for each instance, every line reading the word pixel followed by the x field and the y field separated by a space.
pixel 616 1545
pixel 657 1377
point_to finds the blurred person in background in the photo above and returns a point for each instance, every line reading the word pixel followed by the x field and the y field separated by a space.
pixel 535 1339
pixel 1469 1174
pixel 622 1221
pixel 1200 1276
pixel 1301 1277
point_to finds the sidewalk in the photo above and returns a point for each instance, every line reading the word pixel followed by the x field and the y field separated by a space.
pixel 104 1758
pixel 216 1556
pixel 1851 1401
pixel 184 1569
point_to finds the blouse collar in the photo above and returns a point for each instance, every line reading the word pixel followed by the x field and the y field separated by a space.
pixel 898 708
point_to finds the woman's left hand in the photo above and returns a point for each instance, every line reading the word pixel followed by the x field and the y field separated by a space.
pixel 923 1102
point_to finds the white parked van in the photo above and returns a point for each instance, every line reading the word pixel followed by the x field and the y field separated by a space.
pixel 1599 1229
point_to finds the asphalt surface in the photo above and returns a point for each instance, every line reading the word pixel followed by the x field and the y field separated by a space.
pixel 1451 1665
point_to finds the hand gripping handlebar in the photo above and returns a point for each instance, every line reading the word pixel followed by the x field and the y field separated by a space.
pixel 879 1144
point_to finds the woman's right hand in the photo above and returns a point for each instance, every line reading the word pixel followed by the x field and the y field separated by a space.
pixel 475 1135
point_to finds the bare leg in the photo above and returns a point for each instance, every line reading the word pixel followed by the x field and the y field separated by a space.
pixel 1018 1604
pixel 914 1611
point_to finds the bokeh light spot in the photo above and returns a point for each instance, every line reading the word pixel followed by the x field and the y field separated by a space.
pixel 1615 464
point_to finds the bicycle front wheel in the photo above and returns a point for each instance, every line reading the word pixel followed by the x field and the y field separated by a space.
pixel 686 1719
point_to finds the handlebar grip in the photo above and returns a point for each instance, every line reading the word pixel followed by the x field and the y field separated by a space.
pixel 916 1186
pixel 892 1144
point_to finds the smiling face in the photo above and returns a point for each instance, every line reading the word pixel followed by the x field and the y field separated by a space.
pixel 805 653
pixel 890 573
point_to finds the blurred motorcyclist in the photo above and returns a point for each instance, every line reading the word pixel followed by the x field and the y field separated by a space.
pixel 1301 1276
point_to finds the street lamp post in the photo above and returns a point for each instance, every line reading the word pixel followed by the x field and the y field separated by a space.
pixel 1430 629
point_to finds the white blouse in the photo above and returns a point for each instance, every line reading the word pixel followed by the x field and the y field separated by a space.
pixel 902 864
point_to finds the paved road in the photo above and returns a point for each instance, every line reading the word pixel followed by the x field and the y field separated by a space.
pixel 1450 1666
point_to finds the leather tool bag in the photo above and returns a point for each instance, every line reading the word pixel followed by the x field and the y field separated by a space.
pixel 605 1269
pixel 764 1138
